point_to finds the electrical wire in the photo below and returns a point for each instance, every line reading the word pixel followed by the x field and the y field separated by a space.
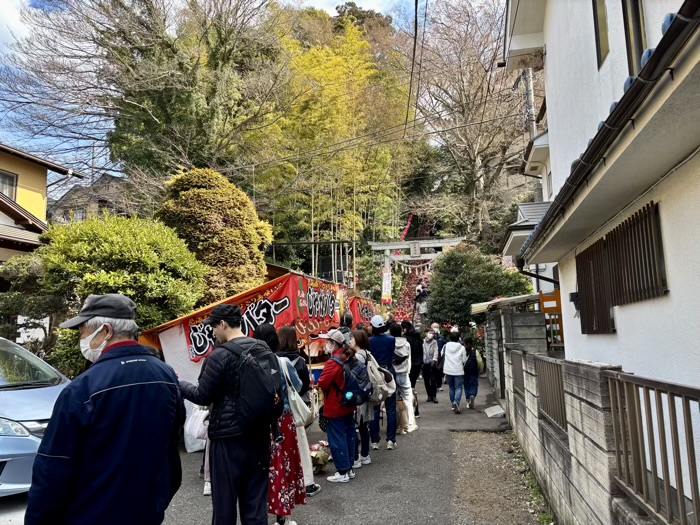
pixel 420 60
pixel 320 150
pixel 413 64
pixel 380 142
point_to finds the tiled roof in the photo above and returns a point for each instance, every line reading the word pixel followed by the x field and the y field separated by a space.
pixel 532 213
pixel 21 235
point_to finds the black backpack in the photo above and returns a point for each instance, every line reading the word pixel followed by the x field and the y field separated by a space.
pixel 259 393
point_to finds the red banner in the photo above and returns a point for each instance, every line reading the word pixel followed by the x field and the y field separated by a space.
pixel 311 306
pixel 362 310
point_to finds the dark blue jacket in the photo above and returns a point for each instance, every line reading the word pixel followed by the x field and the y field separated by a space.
pixel 382 348
pixel 110 452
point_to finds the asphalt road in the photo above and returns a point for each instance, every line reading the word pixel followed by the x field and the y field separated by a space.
pixel 413 484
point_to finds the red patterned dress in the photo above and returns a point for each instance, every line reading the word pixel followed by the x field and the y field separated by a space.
pixel 286 475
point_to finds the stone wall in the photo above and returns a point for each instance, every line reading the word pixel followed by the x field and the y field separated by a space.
pixel 493 347
pixel 576 467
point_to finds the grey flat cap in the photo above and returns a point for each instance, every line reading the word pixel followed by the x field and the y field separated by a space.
pixel 112 305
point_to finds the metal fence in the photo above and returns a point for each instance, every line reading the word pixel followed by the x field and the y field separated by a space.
pixel 656 427
pixel 516 360
pixel 550 381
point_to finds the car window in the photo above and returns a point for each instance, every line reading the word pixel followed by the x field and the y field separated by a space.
pixel 20 367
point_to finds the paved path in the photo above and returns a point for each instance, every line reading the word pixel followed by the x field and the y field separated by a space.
pixel 413 484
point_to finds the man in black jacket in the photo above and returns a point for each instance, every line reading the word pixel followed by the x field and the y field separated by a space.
pixel 416 343
pixel 110 451
pixel 239 456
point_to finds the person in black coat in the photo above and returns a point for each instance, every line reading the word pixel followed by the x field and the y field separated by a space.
pixel 239 455
pixel 471 372
pixel 110 452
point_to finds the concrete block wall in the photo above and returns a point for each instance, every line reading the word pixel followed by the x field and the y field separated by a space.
pixel 575 469
pixel 493 345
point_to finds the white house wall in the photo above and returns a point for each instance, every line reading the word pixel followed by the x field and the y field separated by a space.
pixel 654 13
pixel 579 95
pixel 658 338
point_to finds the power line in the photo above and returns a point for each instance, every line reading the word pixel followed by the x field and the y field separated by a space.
pixel 321 150
pixel 413 64
pixel 422 49
pixel 380 142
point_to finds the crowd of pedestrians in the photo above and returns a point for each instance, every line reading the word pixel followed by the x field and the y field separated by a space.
pixel 258 459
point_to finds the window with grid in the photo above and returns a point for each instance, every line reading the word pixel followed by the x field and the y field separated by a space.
pixel 593 279
pixel 600 24
pixel 637 267
pixel 8 185
pixel 633 18
pixel 624 267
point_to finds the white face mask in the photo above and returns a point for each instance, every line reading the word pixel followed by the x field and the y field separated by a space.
pixel 92 354
pixel 429 336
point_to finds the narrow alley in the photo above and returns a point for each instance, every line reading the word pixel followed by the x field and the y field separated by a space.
pixel 455 470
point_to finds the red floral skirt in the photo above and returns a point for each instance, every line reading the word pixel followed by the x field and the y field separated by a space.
pixel 286 475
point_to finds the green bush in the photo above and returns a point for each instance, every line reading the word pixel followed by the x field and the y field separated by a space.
pixel 463 276
pixel 140 258
pixel 219 223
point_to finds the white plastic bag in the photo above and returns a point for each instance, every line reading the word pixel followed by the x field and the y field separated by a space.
pixel 195 427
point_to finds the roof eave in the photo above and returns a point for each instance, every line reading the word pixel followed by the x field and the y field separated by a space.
pixel 51 166
pixel 671 44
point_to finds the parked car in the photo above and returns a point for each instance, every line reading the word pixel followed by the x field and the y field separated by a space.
pixel 28 391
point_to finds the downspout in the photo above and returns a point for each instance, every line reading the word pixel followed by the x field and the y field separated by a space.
pixel 520 264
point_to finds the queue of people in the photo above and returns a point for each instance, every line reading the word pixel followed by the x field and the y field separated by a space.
pixel 258 459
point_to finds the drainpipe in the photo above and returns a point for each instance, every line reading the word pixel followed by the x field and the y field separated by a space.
pixel 520 264
pixel 530 101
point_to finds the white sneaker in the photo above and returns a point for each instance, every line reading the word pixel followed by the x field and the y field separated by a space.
pixel 357 464
pixel 365 460
pixel 456 408
pixel 338 478
pixel 351 474
pixel 375 446
pixel 390 445
pixel 207 489
pixel 412 429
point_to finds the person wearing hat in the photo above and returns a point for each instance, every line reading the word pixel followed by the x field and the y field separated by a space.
pixel 341 423
pixel 110 451
pixel 382 347
pixel 239 456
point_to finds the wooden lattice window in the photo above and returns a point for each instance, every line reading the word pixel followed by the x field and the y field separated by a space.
pixel 593 277
pixel 624 267
pixel 635 252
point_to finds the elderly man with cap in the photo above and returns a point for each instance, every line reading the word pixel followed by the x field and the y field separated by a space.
pixel 382 347
pixel 110 452
pixel 239 455
pixel 341 423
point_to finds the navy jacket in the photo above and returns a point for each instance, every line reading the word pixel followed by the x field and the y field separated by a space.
pixel 382 348
pixel 110 452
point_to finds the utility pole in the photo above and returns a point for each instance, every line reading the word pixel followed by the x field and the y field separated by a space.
pixel 530 102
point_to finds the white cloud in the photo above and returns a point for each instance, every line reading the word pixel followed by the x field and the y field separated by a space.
pixel 10 22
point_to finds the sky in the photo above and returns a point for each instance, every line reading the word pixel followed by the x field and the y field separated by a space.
pixel 10 20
